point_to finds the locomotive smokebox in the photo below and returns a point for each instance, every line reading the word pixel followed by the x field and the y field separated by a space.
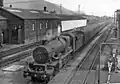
pixel 40 55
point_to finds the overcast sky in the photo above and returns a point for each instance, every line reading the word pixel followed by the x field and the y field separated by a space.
pixel 95 7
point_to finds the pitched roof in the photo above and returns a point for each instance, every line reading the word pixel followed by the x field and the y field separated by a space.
pixel 70 17
pixel 30 13
pixel 37 4
pixel 2 18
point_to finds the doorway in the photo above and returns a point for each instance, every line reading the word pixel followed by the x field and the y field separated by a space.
pixel 5 35
pixel 14 35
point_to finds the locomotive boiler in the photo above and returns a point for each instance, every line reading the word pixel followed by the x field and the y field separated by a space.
pixel 47 53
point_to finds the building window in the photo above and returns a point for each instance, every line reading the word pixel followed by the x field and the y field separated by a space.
pixel 51 25
pixel 33 27
pixel 46 25
pixel 20 27
pixel 15 27
pixel 40 26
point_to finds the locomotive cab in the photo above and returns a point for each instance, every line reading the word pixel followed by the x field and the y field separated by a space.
pixel 72 39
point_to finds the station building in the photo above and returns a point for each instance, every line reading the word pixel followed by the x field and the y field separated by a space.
pixel 3 26
pixel 18 26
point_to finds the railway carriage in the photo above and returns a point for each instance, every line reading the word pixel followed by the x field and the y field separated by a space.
pixel 91 32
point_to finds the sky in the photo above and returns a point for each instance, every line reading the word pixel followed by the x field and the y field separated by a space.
pixel 93 7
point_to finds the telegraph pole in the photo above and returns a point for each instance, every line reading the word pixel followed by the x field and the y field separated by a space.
pixel 60 8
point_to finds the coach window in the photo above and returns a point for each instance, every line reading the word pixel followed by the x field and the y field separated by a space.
pixel 33 27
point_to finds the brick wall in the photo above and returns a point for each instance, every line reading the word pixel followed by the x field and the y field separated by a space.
pixel 40 31
pixel 28 30
pixel 3 24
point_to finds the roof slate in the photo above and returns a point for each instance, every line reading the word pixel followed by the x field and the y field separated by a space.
pixel 27 14
pixel 70 17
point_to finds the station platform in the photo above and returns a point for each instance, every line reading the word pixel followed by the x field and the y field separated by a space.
pixel 6 47
pixel 12 78
pixel 114 78
pixel 13 74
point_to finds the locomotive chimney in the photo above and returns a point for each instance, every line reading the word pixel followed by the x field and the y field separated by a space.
pixel 1 3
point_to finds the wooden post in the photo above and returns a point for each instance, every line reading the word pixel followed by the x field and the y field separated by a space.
pixel 5 36
pixel 20 35
pixel 10 35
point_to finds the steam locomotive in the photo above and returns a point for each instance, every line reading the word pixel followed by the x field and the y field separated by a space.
pixel 52 56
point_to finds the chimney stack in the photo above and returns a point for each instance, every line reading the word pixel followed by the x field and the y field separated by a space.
pixel 79 8
pixel 45 8
pixel 10 6
pixel 1 3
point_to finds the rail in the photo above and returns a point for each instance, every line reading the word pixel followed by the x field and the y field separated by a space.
pixel 84 60
pixel 18 49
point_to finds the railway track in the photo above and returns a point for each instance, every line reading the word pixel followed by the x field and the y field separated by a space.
pixel 88 64
pixel 18 49
pixel 68 74
pixel 6 61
